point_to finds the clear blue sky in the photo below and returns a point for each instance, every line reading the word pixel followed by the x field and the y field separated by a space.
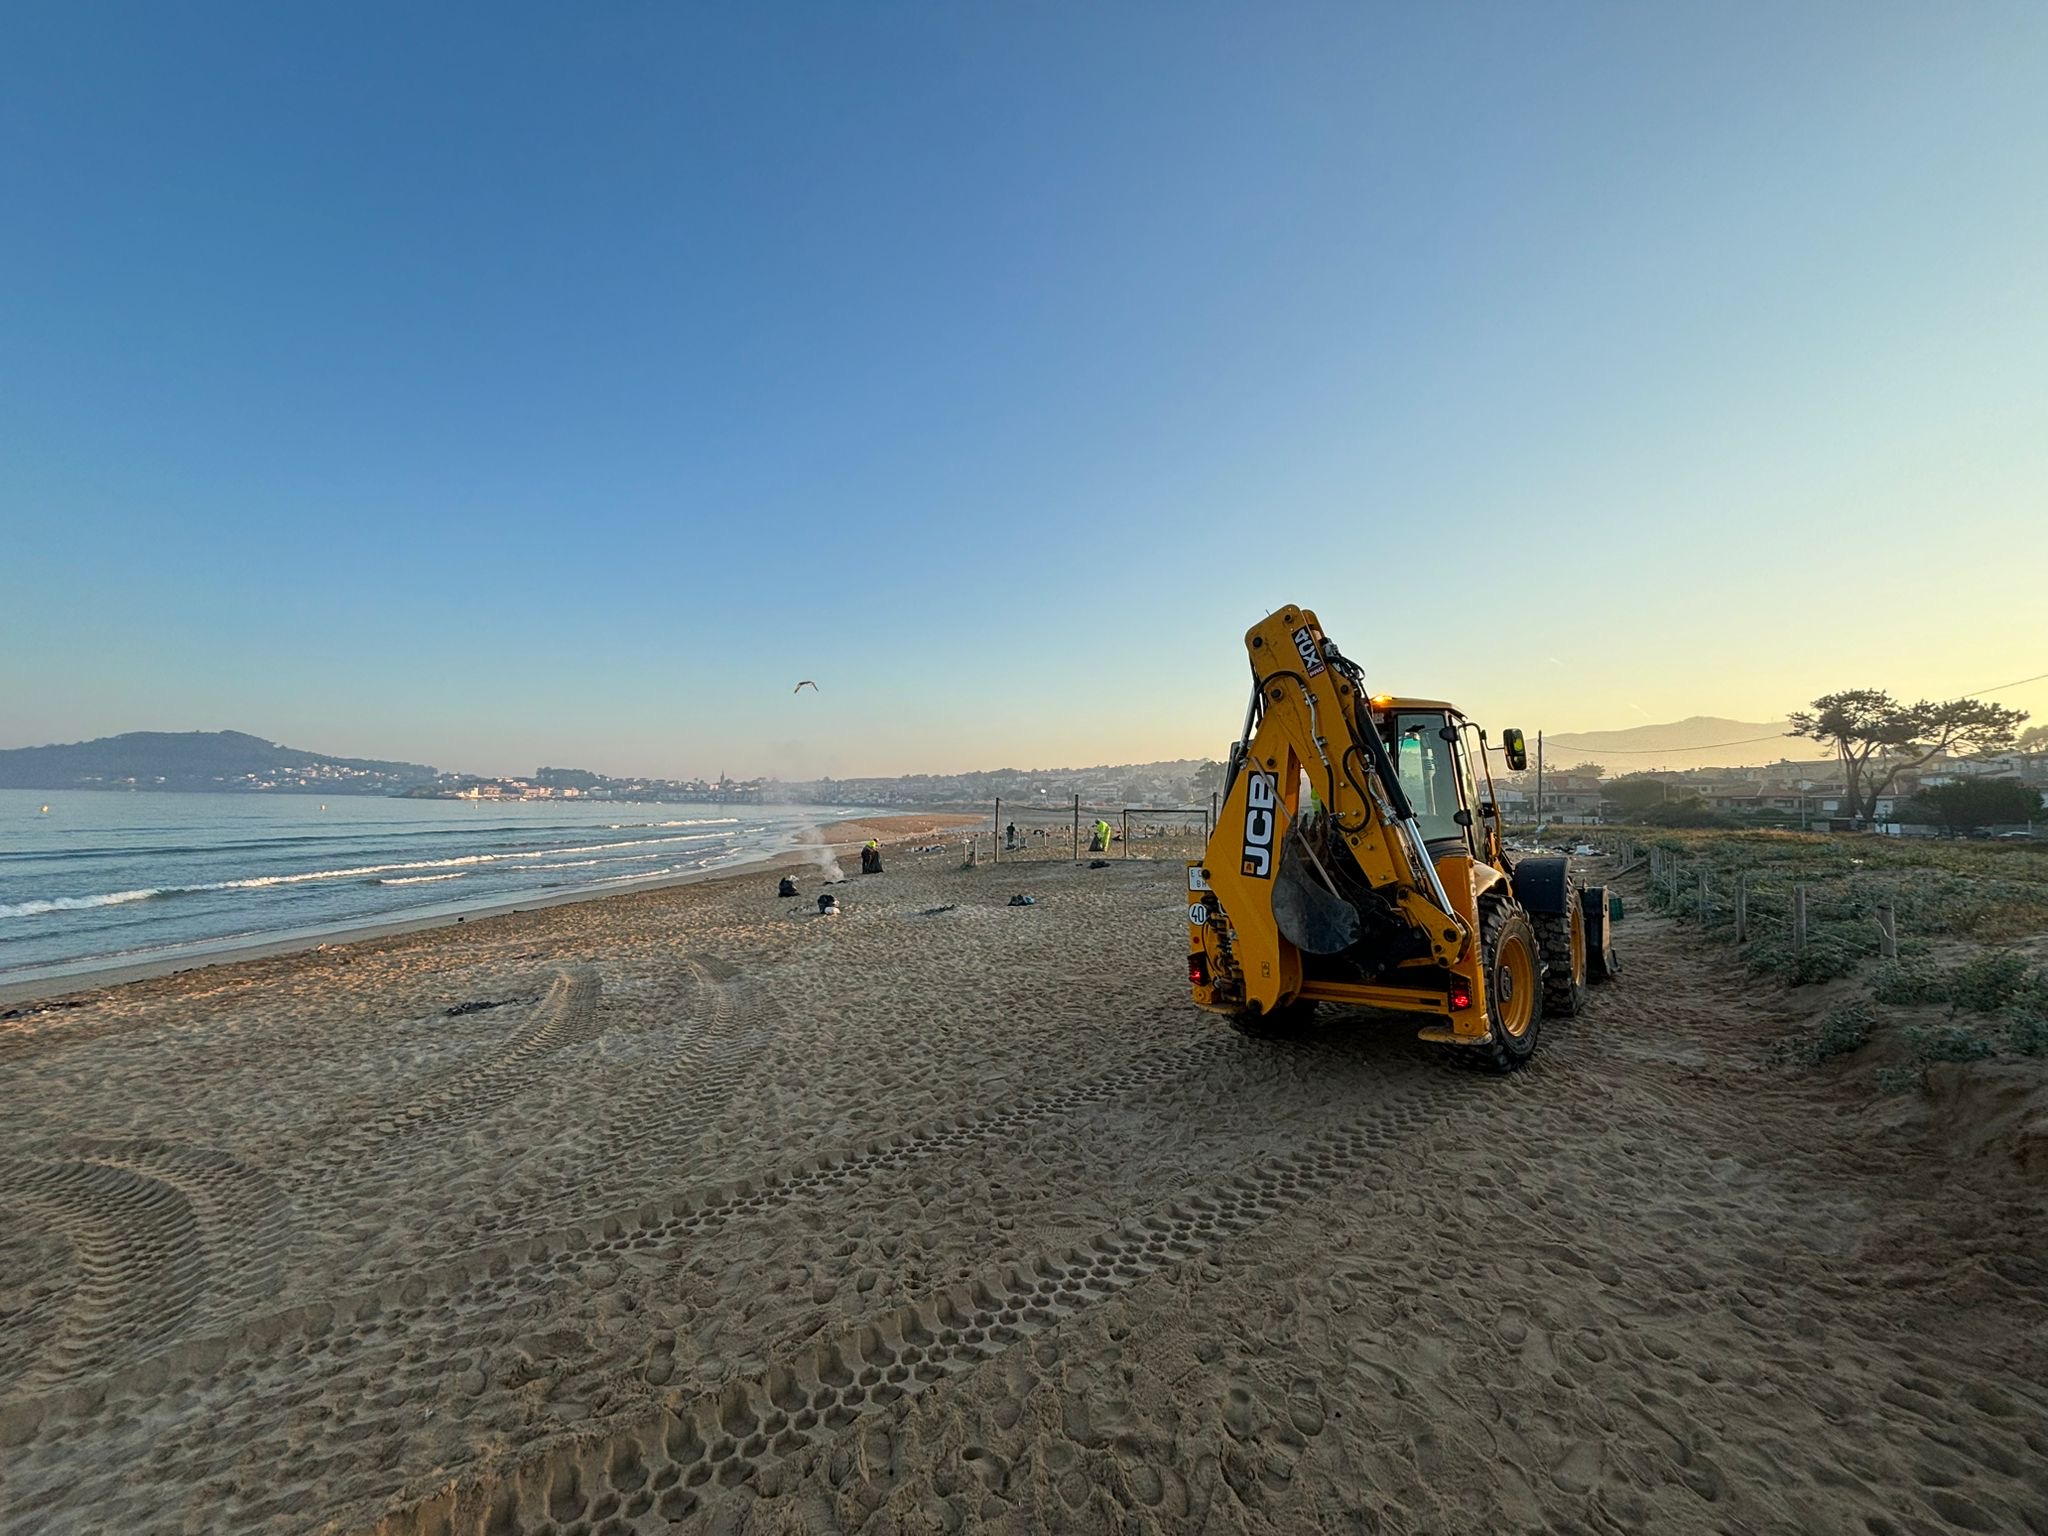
pixel 515 384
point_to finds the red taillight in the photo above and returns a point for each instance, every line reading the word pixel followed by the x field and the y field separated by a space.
pixel 1198 970
pixel 1460 1000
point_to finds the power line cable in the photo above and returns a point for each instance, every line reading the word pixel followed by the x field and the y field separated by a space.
pixel 2037 677
pixel 1705 746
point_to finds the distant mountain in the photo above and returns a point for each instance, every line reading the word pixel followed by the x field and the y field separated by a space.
pixel 208 761
pixel 1703 741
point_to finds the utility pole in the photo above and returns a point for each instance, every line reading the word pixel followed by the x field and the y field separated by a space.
pixel 1539 782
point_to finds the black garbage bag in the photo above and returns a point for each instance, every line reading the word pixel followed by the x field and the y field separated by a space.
pixel 787 888
pixel 871 861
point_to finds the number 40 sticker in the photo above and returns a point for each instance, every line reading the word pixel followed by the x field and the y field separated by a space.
pixel 1197 913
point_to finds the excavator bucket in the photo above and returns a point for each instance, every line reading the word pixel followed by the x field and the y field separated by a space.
pixel 1311 916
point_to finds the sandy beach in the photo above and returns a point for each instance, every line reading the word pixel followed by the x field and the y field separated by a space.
pixel 690 1207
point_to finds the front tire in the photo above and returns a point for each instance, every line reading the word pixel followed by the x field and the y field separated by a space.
pixel 1514 989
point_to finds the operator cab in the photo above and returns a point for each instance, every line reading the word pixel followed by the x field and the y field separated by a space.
pixel 1431 746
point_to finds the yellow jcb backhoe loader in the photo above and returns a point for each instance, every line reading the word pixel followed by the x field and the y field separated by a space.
pixel 1356 860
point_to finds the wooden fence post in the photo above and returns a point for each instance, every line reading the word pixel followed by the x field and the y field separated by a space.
pixel 1703 898
pixel 1077 829
pixel 1741 909
pixel 996 838
pixel 1888 932
pixel 1799 919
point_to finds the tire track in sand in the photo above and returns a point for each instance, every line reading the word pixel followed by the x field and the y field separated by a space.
pixel 645 1471
pixel 661 1107
pixel 410 1310
pixel 619 1126
pixel 418 1299
pixel 566 1015
pixel 166 1238
pixel 170 1240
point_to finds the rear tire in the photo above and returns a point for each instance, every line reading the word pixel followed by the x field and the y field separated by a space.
pixel 1566 955
pixel 1514 992
pixel 1287 1022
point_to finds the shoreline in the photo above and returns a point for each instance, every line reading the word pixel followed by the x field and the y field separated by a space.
pixel 832 837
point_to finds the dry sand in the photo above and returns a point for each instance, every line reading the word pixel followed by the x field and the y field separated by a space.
pixel 695 1206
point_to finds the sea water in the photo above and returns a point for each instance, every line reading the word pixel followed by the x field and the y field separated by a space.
pixel 105 877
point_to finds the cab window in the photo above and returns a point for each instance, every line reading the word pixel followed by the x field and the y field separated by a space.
pixel 1428 771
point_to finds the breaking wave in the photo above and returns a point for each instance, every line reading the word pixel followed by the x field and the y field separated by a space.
pixel 401 873
pixel 693 821
pixel 74 903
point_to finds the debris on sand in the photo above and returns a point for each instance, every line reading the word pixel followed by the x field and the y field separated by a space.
pixel 484 1005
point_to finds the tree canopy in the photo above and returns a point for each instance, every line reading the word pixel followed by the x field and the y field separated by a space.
pixel 1635 798
pixel 1877 738
pixel 1970 804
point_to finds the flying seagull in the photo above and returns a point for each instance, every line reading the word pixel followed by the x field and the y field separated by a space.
pixel 806 683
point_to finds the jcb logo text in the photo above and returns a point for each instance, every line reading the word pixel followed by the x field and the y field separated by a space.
pixel 1260 799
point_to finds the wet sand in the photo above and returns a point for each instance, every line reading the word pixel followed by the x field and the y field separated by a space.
pixel 692 1207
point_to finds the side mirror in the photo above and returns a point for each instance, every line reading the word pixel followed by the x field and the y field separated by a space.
pixel 1516 748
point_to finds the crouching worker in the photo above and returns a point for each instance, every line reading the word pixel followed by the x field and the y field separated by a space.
pixel 871 858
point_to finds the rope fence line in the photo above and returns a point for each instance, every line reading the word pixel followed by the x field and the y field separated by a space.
pixel 1751 904
pixel 1032 829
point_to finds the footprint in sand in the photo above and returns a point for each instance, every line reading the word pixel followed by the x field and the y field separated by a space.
pixel 1579 1470
pixel 1305 1408
pixel 1237 1413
